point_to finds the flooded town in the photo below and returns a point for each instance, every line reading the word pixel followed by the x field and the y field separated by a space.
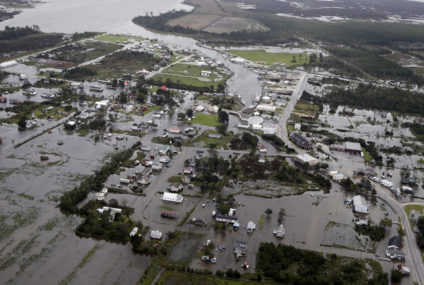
pixel 211 142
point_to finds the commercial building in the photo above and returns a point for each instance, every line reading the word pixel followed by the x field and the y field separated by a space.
pixel 305 159
pixel 155 235
pixel 172 197
pixel 360 205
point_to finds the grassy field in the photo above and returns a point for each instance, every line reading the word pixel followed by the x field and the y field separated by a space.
pixel 181 278
pixel 115 38
pixel 367 156
pixel 190 70
pixel 268 58
pixel 162 78
pixel 207 141
pixel 417 208
pixel 206 119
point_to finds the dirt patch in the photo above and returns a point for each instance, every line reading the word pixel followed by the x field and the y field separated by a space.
pixel 195 21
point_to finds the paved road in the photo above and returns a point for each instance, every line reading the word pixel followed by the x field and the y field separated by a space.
pixel 297 93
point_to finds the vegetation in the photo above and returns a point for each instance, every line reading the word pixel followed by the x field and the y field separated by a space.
pixel 205 119
pixel 17 32
pixel 371 97
pixel 70 199
pixel 269 58
pixel 376 233
pixel 289 265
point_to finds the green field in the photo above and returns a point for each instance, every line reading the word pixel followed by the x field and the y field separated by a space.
pixel 268 58
pixel 190 70
pixel 218 143
pixel 206 119
pixel 115 38
pixel 418 208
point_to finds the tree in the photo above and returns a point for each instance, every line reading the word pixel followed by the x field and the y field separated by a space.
pixel 396 276
pixel 22 123
pixel 221 128
pixel 189 113
pixel 181 116
pixel 268 211
pixel 123 98
pixel 223 116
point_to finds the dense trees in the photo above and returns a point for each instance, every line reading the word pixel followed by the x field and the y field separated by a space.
pixel 388 99
pixel 18 32
pixel 290 265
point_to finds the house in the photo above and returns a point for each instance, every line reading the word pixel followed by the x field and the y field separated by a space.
pixel 174 130
pixel 176 188
pixel 361 172
pixel 301 141
pixel 103 104
pixel 172 197
pixel 262 148
pixel 169 214
pixel 251 226
pixel 157 166
pixel 226 219
pixel 155 235
pixel 205 73
pixel 188 170
pixel 112 211
pixel 100 196
pixel 279 231
pixel 360 205
pixel 199 108
pixel 395 254
pixel 214 136
pixel 214 109
pixel 240 248
pixel 143 181
pixel 164 159
pixel 163 150
pixel 70 125
pixel 395 243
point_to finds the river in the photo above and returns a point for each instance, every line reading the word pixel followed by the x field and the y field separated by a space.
pixel 113 16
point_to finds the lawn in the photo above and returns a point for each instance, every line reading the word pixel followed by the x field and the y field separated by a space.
pixel 206 119
pixel 190 70
pixel 207 141
pixel 417 208
pixel 268 58
pixel 367 156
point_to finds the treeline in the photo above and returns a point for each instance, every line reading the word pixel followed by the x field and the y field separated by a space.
pixel 79 73
pixel 160 22
pixel 178 85
pixel 70 199
pixel 18 32
pixel 371 97
pixel 289 265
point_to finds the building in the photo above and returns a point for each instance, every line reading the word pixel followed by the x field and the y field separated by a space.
pixel 353 148
pixel 112 211
pixel 172 197
pixel 306 159
pixel 240 248
pixel 251 226
pixel 395 243
pixel 103 104
pixel 176 188
pixel 360 205
pixel 395 254
pixel 155 235
pixel 157 166
pixel 262 148
pixel 214 136
pixel 301 141
pixel 279 231
pixel 270 129
pixel 199 108
pixel 205 73
pixel 188 170
pixel 226 219
pixel 169 214
pixel 70 125
pixel 174 130
pixel 164 159
pixel 266 108
pixel 134 231
pixel 163 150
pixel 214 109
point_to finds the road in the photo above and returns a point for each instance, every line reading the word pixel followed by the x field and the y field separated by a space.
pixel 297 93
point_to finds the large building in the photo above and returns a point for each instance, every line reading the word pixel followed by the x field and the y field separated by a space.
pixel 360 205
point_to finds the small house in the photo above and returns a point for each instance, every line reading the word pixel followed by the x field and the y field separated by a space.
pixel 176 188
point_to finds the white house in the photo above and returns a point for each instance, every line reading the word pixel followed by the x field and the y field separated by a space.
pixel 103 104
pixel 172 197
pixel 199 108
